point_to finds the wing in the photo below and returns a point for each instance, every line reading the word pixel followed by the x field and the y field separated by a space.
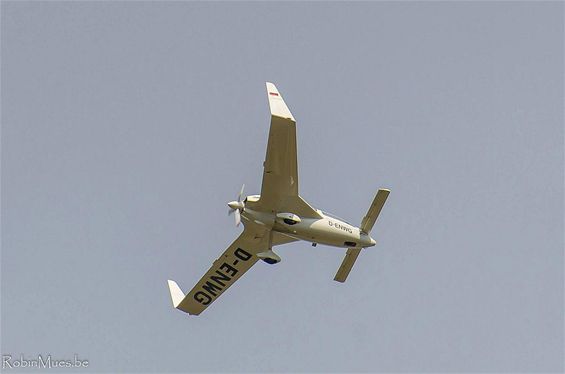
pixel 279 191
pixel 226 270
pixel 280 238
pixel 280 174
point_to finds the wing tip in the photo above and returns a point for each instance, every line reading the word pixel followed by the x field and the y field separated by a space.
pixel 271 88
pixel 177 295
pixel 276 103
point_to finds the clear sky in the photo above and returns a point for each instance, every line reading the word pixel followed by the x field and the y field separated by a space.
pixel 127 127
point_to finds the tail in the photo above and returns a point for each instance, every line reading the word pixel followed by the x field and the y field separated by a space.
pixel 366 225
pixel 374 210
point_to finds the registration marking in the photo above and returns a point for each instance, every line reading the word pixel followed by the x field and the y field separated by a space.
pixel 222 277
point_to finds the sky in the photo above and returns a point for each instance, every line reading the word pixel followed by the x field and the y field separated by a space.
pixel 128 126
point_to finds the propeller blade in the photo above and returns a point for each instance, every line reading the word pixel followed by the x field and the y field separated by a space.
pixel 237 207
pixel 240 193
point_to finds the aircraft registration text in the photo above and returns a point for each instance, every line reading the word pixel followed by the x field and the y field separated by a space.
pixel 340 226
pixel 222 278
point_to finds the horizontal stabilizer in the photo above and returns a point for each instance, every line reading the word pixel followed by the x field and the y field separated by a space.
pixel 347 264
pixel 374 210
pixel 176 293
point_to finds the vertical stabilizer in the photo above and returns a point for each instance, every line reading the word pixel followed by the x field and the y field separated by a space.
pixel 374 210
pixel 347 264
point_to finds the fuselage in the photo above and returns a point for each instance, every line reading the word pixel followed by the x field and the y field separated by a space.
pixel 325 230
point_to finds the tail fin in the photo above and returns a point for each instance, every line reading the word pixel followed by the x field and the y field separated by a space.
pixel 366 225
pixel 374 210
pixel 347 264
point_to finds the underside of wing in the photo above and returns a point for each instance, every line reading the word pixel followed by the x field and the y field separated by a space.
pixel 280 238
pixel 240 256
pixel 279 191
pixel 225 271
pixel 280 173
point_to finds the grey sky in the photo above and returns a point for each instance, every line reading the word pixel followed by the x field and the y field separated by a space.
pixel 127 127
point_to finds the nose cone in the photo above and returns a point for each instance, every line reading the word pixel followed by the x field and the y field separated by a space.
pixel 373 242
pixel 235 205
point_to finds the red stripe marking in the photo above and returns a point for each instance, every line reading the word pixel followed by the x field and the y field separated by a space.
pixel 273 93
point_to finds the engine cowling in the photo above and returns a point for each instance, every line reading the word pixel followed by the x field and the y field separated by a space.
pixel 288 218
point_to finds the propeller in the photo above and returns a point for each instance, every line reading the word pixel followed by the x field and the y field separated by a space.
pixel 237 207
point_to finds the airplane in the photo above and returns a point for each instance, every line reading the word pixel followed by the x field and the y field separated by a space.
pixel 277 216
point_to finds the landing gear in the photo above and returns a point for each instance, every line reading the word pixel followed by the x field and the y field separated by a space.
pixel 270 261
pixel 269 256
pixel 314 244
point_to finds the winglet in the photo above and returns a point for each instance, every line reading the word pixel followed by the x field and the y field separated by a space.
pixel 176 293
pixel 277 104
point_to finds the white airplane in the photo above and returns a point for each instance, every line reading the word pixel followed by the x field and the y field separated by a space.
pixel 278 216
